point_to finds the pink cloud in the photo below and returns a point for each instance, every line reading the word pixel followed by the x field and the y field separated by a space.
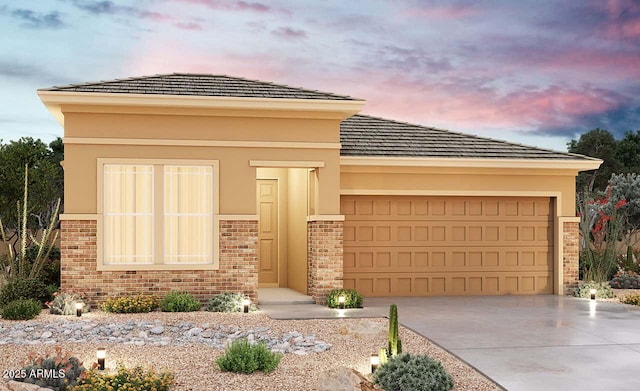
pixel 623 20
pixel 441 12
pixel 191 26
pixel 231 5
pixel 290 33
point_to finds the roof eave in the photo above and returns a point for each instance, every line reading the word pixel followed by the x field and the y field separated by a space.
pixel 54 100
pixel 585 164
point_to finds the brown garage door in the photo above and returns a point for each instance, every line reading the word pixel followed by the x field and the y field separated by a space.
pixel 423 246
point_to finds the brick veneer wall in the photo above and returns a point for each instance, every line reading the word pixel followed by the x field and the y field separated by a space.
pixel 570 254
pixel 238 270
pixel 324 257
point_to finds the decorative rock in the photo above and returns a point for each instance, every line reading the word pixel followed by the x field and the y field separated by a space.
pixel 343 379
pixel 141 333
pixel 157 330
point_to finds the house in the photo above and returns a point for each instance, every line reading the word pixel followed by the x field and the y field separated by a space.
pixel 209 183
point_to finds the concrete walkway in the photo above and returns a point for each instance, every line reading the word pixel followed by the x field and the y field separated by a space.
pixel 521 342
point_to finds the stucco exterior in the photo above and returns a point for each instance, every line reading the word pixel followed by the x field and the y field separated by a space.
pixel 294 141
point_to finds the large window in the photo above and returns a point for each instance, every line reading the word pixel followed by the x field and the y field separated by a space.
pixel 158 215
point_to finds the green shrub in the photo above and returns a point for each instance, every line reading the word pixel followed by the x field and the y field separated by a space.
pixel 408 373
pixel 603 290
pixel 130 304
pixel 352 298
pixel 625 280
pixel 21 309
pixel 632 298
pixel 24 288
pixel 136 378
pixel 227 302
pixel 64 303
pixel 176 301
pixel 242 357
pixel 58 364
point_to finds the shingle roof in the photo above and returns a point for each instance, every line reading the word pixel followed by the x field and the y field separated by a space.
pixel 362 135
pixel 200 85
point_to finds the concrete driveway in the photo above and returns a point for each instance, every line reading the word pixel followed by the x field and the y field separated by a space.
pixel 532 342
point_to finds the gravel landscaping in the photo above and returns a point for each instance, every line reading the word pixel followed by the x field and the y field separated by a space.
pixel 187 344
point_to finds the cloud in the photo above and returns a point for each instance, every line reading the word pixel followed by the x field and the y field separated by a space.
pixel 440 12
pixel 36 74
pixel 229 5
pixel 108 7
pixel 622 19
pixel 35 20
pixel 289 33
pixel 191 26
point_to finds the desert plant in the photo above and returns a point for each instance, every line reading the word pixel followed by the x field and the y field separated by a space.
pixel 352 298
pixel 64 303
pixel 136 378
pixel 176 301
pixel 418 372
pixel 130 304
pixel 395 344
pixel 18 265
pixel 50 272
pixel 632 298
pixel 628 262
pixel 21 309
pixel 227 302
pixel 57 371
pixel 625 280
pixel 24 288
pixel 243 357
pixel 603 290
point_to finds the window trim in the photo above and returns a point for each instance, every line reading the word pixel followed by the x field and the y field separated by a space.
pixel 158 214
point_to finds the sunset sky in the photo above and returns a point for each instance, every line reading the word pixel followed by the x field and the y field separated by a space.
pixel 532 72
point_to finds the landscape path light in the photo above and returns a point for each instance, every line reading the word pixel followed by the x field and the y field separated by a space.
pixel 78 309
pixel 245 305
pixel 102 355
pixel 341 299
pixel 375 362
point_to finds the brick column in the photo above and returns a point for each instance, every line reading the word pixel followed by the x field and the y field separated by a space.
pixel 237 272
pixel 324 257
pixel 570 254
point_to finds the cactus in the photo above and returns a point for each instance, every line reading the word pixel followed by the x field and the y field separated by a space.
pixel 395 344
pixel 62 369
pixel 382 356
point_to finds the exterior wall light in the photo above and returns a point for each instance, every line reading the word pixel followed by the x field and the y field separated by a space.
pixel 78 309
pixel 341 299
pixel 593 293
pixel 102 355
pixel 245 305
pixel 375 362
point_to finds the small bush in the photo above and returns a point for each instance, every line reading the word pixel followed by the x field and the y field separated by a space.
pixel 227 302
pixel 64 303
pixel 625 280
pixel 176 301
pixel 130 304
pixel 242 357
pixel 136 378
pixel 63 370
pixel 352 298
pixel 632 298
pixel 419 372
pixel 603 290
pixel 24 288
pixel 21 309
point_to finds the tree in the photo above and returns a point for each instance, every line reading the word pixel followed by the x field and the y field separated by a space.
pixel 600 144
pixel 627 187
pixel 628 152
pixel 45 180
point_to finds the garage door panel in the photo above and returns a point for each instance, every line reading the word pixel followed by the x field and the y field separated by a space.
pixel 426 284
pixel 417 246
pixel 470 208
pixel 448 233
pixel 418 258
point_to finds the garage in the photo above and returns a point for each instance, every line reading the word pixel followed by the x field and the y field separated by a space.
pixel 434 245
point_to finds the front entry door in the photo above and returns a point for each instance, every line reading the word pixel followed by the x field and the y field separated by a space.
pixel 267 196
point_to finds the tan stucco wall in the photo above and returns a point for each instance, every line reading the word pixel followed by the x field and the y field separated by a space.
pixel 462 181
pixel 297 252
pixel 237 177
